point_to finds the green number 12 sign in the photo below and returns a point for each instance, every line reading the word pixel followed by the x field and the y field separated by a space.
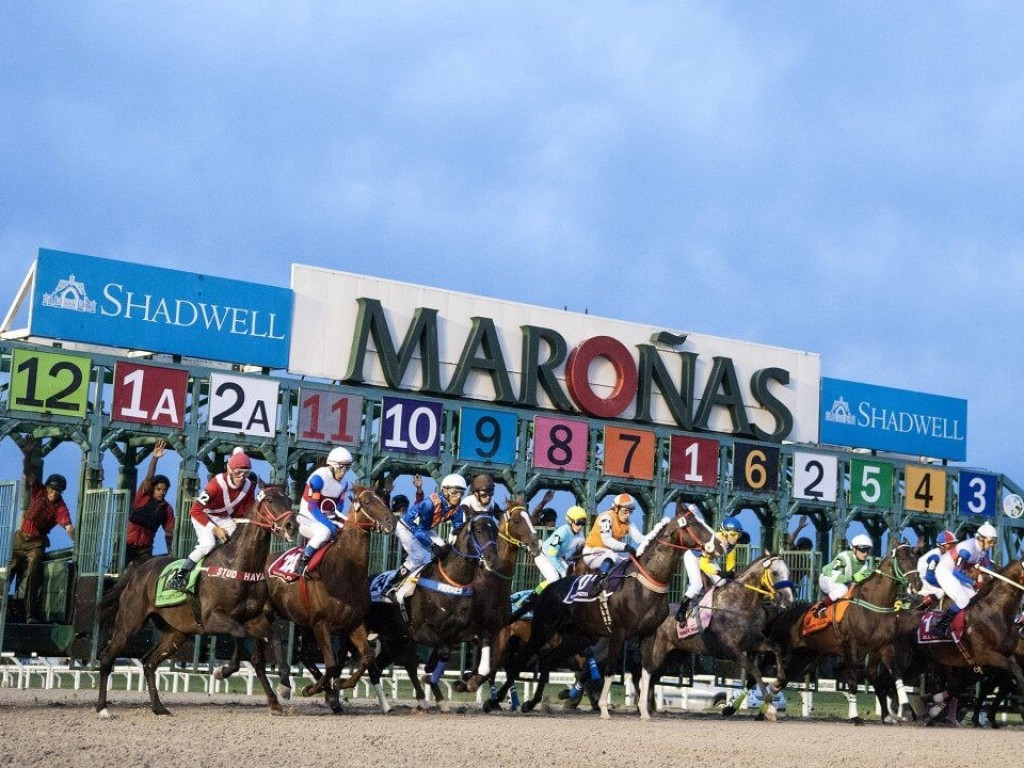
pixel 49 382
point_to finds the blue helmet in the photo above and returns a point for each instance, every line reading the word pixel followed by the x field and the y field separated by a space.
pixel 731 524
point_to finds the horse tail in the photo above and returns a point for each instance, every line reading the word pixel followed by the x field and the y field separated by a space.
pixel 111 600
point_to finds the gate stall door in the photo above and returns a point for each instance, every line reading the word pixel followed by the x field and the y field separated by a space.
pixel 8 520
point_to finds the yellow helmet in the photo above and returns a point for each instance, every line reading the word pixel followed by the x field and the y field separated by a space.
pixel 576 515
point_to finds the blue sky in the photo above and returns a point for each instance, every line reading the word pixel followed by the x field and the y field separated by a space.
pixel 842 178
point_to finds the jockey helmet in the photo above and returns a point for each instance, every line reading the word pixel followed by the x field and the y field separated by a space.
pixel 576 515
pixel 731 524
pixel 59 483
pixel 987 530
pixel 161 480
pixel 239 460
pixel 454 481
pixel 945 539
pixel 399 501
pixel 624 500
pixel 861 540
pixel 483 484
pixel 339 457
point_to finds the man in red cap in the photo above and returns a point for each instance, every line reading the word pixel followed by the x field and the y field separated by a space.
pixel 227 496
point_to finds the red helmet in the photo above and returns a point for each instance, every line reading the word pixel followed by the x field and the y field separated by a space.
pixel 239 460
pixel 945 539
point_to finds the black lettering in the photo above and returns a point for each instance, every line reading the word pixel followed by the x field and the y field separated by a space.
pixel 543 373
pixel 483 338
pixel 783 417
pixel 652 372
pixel 422 334
pixel 723 390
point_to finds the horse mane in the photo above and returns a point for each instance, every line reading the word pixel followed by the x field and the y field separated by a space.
pixel 652 535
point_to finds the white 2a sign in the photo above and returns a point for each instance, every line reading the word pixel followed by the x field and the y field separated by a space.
pixel 242 405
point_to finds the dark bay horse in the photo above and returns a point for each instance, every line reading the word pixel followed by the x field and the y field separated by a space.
pixel 635 610
pixel 440 610
pixel 868 628
pixel 229 598
pixel 492 589
pixel 990 639
pixel 336 602
pixel 735 632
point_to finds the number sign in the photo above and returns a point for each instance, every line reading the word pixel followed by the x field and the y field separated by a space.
pixel 486 435
pixel 925 489
pixel 871 483
pixel 410 426
pixel 150 394
pixel 629 453
pixel 755 467
pixel 978 494
pixel 331 417
pixel 815 476
pixel 559 444
pixel 693 461
pixel 243 405
pixel 49 382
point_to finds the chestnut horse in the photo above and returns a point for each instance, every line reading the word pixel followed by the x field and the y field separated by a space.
pixel 868 628
pixel 229 598
pixel 561 626
pixel 735 632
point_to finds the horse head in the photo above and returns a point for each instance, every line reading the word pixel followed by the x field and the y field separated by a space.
pixel 369 512
pixel 693 533
pixel 517 529
pixel 776 583
pixel 273 511
pixel 903 565
pixel 477 540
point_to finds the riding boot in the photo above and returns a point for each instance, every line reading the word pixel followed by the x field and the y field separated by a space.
pixel 684 606
pixel 396 580
pixel 822 608
pixel 941 627
pixel 179 579
pixel 602 573
pixel 301 565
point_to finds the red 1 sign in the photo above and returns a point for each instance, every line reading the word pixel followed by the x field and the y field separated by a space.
pixel 150 394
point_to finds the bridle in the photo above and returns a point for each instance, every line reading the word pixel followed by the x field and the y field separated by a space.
pixel 263 515
pixel 505 529
pixel 357 513
pixel 684 532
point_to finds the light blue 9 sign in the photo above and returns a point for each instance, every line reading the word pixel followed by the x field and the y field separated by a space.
pixel 486 435
pixel 977 494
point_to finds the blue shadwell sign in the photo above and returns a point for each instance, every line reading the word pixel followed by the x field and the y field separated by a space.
pixel 132 306
pixel 895 420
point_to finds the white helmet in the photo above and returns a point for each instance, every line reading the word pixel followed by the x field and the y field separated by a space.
pixel 339 456
pixel 861 540
pixel 988 531
pixel 454 481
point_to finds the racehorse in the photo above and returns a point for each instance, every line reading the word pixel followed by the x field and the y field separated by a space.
pixel 562 626
pixel 738 619
pixel 439 610
pixel 868 627
pixel 336 602
pixel 229 598
pixel 492 589
pixel 989 640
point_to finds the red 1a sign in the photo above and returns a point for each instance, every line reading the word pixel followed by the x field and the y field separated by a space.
pixel 150 394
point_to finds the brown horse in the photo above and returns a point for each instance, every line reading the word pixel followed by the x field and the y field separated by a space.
pixel 735 632
pixel 868 628
pixel 562 626
pixel 990 639
pixel 439 611
pixel 229 598
pixel 492 589
pixel 335 603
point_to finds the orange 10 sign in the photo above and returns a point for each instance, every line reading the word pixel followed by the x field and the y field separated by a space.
pixel 693 461
pixel 629 453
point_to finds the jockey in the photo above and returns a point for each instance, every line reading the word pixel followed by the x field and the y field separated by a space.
pixel 415 528
pixel 479 501
pixel 563 546
pixel 956 573
pixel 931 590
pixel 607 544
pixel 320 511
pixel 849 566
pixel 729 533
pixel 228 495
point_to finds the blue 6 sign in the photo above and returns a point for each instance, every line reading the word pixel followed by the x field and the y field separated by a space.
pixel 410 426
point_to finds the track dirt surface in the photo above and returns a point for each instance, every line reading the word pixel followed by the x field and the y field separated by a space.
pixel 59 728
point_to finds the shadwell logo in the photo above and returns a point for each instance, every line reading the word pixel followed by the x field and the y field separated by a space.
pixel 70 294
pixel 840 413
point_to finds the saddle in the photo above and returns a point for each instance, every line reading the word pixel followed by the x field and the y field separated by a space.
pixel 925 633
pixel 589 587
pixel 166 597
pixel 284 566
pixel 834 613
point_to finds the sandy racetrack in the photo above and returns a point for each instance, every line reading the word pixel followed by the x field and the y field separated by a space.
pixel 59 728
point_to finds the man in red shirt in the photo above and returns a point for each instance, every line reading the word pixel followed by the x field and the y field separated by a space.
pixel 150 511
pixel 46 509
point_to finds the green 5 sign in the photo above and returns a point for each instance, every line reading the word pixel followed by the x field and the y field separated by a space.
pixel 871 483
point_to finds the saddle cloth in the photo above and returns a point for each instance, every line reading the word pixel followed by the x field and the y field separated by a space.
pixel 167 597
pixel 697 618
pixel 925 633
pixel 284 566
pixel 587 589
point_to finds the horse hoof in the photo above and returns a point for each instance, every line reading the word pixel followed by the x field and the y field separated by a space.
pixel 857 720
pixel 284 692
pixel 218 673
pixel 491 705
pixel 460 687
pixel 528 706
pixel 728 711
pixel 104 714
pixel 276 709
pixel 161 711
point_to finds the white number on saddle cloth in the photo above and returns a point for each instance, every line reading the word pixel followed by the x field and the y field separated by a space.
pixel 290 560
pixel 579 590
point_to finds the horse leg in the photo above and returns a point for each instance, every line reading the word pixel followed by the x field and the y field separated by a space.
pixel 434 679
pixel 259 664
pixel 542 681
pixel 170 641
pixel 357 637
pixel 652 655
pixel 225 671
pixel 332 668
